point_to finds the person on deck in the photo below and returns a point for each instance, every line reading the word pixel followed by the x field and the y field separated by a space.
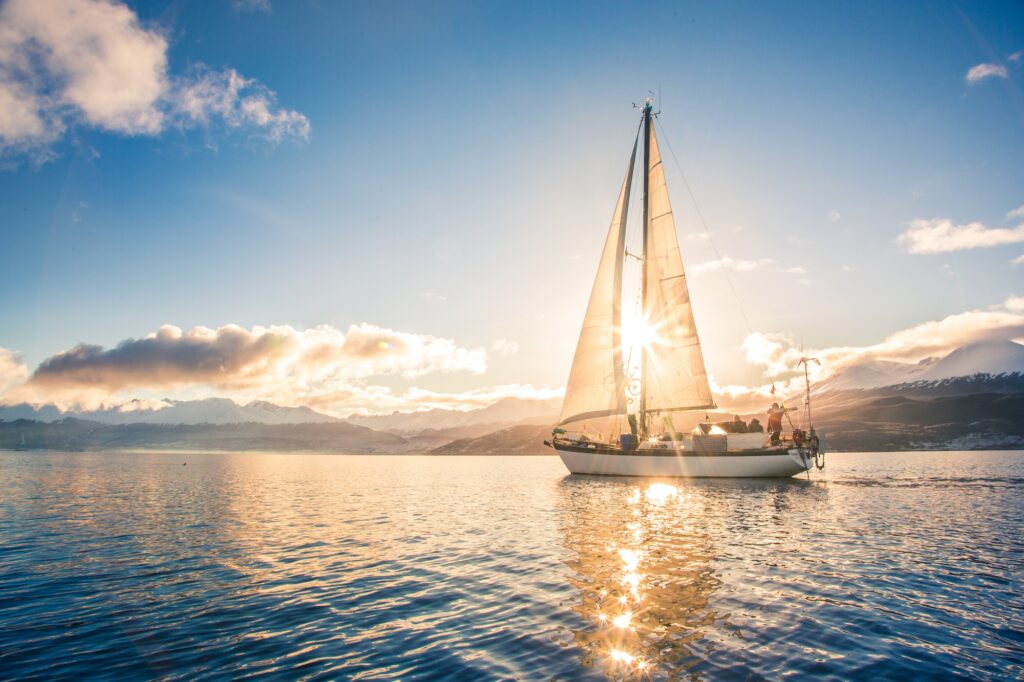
pixel 754 426
pixel 738 425
pixel 775 422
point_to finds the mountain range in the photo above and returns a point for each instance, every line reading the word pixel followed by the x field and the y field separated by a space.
pixel 972 398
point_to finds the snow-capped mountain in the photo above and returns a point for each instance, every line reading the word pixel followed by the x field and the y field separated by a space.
pixel 208 411
pixel 991 358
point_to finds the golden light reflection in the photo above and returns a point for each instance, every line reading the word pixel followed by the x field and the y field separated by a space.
pixel 660 493
pixel 643 573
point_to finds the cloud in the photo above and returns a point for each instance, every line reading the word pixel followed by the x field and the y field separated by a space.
pixel 1019 260
pixel 778 354
pixel 226 96
pixel 362 399
pixel 505 348
pixel 276 362
pixel 941 235
pixel 728 263
pixel 982 71
pixel 433 296
pixel 92 63
pixel 12 370
pixel 1017 212
pixel 251 5
pixel 1016 57
pixel 834 216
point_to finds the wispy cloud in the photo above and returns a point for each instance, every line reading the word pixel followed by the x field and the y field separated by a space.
pixel 834 216
pixel 942 235
pixel 433 297
pixel 13 371
pixel 251 5
pixel 743 265
pixel 1017 212
pixel 209 97
pixel 1019 260
pixel 982 71
pixel 1016 57
pixel 505 348
pixel 66 64
pixel 729 263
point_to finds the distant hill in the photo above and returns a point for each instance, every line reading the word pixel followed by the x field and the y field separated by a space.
pixel 505 412
pixel 78 434
pixel 208 411
pixel 517 440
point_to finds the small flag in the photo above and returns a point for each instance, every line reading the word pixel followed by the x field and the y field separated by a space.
pixel 773 388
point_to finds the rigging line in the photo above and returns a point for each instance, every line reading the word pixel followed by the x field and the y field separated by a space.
pixel 704 223
pixel 711 240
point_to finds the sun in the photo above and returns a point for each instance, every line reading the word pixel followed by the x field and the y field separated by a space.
pixel 639 333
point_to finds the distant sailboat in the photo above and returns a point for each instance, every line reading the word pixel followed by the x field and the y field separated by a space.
pixel 615 424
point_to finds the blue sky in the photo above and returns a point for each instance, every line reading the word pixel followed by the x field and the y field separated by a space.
pixel 461 163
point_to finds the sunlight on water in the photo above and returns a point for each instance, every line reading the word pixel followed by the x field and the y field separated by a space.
pixel 884 566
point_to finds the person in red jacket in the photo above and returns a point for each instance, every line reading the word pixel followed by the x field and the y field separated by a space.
pixel 775 422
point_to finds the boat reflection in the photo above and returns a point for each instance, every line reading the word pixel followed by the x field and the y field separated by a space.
pixel 642 558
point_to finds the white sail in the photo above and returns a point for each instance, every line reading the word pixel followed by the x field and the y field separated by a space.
pixel 674 378
pixel 595 394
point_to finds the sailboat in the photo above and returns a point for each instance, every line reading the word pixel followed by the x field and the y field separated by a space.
pixel 616 416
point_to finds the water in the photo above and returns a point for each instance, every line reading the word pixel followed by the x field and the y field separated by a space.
pixel 116 565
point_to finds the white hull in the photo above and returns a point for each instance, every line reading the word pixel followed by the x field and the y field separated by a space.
pixel 784 464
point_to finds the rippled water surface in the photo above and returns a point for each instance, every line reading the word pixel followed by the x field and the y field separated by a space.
pixel 352 567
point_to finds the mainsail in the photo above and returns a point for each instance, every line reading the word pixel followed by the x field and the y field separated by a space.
pixel 596 393
pixel 674 376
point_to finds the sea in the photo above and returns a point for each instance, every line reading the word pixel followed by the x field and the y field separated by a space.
pixel 133 565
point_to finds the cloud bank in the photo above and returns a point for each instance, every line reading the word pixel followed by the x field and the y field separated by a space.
pixel 779 354
pixel 942 235
pixel 92 63
pixel 321 368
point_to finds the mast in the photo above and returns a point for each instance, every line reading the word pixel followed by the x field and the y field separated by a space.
pixel 805 361
pixel 643 265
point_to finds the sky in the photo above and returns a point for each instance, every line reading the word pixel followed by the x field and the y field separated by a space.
pixel 368 207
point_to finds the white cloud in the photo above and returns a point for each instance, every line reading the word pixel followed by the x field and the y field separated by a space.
pixel 505 348
pixel 779 354
pixel 941 235
pixel 209 96
pixel 728 263
pixel 834 216
pixel 698 237
pixel 1019 260
pixel 13 371
pixel 982 71
pixel 795 270
pixel 92 63
pixel 1016 57
pixel 1017 212
pixel 433 297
